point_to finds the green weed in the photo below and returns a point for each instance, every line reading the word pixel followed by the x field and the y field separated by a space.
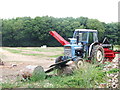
pixel 114 70
pixel 11 85
pixel 38 76
pixel 86 77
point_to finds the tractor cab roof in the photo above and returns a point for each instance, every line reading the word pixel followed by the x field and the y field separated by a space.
pixel 86 30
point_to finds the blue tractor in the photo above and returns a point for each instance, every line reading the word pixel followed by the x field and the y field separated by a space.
pixel 83 45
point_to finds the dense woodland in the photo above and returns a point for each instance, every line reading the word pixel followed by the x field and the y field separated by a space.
pixel 27 31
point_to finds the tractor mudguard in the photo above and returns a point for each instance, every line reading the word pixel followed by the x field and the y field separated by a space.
pixel 91 47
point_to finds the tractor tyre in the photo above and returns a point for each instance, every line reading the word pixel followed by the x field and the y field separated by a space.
pixel 79 63
pixel 97 54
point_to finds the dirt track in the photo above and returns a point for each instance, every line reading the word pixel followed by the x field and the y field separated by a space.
pixel 16 62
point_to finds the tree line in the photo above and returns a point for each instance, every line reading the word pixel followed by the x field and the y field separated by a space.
pixel 27 31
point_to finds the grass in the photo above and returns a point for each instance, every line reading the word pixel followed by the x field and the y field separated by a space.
pixel 13 50
pixel 48 49
pixel 39 49
pixel 11 84
pixel 88 76
pixel 19 50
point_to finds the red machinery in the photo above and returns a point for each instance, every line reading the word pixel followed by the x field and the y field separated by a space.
pixel 109 54
pixel 59 38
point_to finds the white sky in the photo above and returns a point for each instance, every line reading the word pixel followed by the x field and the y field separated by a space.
pixel 103 10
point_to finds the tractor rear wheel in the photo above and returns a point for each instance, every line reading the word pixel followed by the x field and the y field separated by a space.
pixel 97 54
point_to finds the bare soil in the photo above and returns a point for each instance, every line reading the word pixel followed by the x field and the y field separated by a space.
pixel 13 63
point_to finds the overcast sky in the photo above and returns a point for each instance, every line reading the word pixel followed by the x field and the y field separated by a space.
pixel 103 10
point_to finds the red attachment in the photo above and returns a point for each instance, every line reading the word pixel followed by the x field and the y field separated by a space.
pixel 59 38
pixel 110 54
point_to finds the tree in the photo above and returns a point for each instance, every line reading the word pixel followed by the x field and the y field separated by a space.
pixel 27 31
pixel 111 31
pixel 96 25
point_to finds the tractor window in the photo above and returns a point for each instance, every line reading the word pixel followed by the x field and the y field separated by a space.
pixel 83 37
pixel 95 37
pixel 91 38
pixel 75 34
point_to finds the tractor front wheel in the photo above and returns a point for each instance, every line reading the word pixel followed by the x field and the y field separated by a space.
pixel 79 62
pixel 97 54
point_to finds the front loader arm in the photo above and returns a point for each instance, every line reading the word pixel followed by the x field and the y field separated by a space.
pixel 59 38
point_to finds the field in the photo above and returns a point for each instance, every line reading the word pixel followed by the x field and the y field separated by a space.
pixel 26 56
pixel 87 77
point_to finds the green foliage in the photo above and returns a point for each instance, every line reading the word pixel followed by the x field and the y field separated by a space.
pixel 26 31
pixel 114 70
pixel 7 85
pixel 112 32
pixel 38 75
pixel 88 76
pixel 10 84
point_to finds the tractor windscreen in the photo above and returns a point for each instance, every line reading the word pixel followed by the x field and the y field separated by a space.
pixel 82 36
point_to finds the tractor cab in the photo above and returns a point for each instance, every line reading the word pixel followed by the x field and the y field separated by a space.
pixel 84 36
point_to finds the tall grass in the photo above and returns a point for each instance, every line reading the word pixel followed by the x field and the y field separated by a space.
pixel 88 76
